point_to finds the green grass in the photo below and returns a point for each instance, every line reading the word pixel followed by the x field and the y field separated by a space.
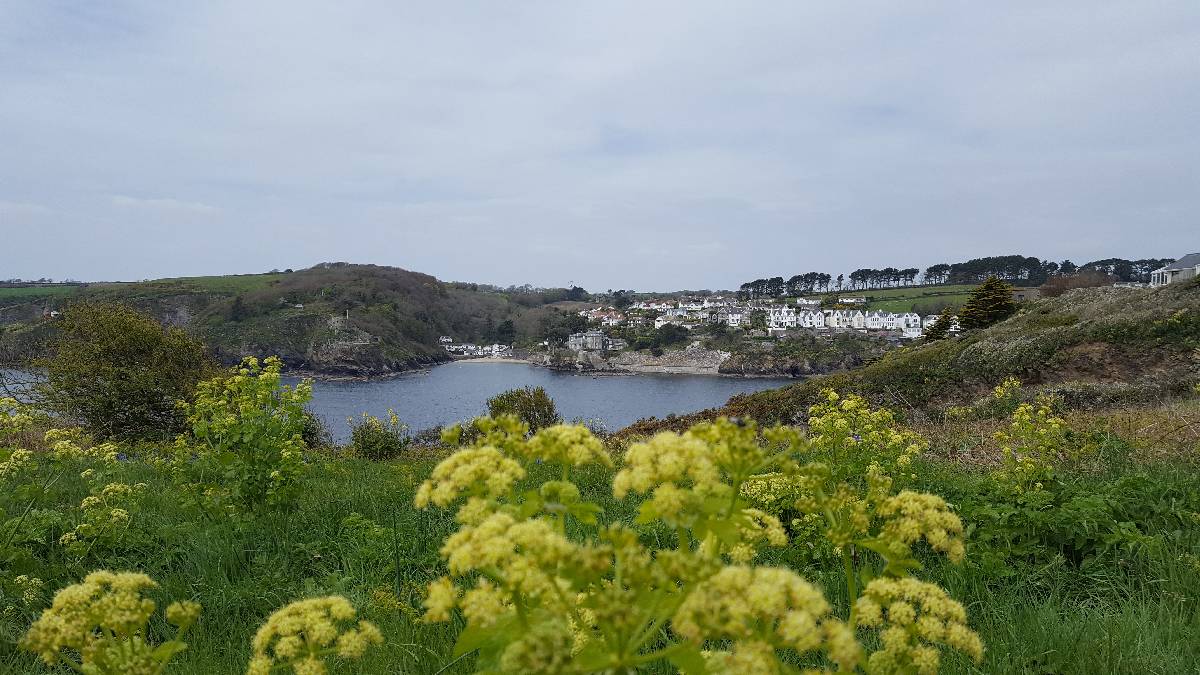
pixel 33 292
pixel 1123 614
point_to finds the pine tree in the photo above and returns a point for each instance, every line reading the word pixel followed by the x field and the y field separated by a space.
pixel 991 302
pixel 939 329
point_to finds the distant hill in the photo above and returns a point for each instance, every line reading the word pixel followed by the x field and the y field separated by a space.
pixel 1090 346
pixel 334 318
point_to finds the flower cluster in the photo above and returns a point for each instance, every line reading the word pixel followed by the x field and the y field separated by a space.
pixel 763 609
pixel 14 418
pixel 847 434
pixel 305 633
pixel 103 621
pixel 478 472
pixel 910 516
pixel 539 597
pixel 106 516
pixel 568 444
pixel 1035 439
pixel 914 617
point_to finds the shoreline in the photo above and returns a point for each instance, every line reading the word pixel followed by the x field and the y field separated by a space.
pixel 651 370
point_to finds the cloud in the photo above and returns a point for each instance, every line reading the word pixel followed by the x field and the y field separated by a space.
pixel 165 206
pixel 615 144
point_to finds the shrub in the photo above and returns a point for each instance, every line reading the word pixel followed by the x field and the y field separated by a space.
pixel 245 446
pixel 531 404
pixel 373 438
pixel 119 373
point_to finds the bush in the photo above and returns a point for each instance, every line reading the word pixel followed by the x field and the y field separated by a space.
pixel 119 373
pixel 531 404
pixel 373 438
pixel 245 447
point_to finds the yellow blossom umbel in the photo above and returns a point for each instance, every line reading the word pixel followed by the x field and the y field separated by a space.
pixel 914 618
pixel 103 620
pixel 765 606
pixel 305 633
pixel 482 472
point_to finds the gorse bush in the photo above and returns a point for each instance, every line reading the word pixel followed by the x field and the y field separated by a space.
pixel 545 586
pixel 245 448
pixel 532 405
pixel 373 438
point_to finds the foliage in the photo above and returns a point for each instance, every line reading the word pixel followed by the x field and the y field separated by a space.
pixel 119 373
pixel 99 626
pixel 545 586
pixel 245 448
pixel 532 405
pixel 989 303
pixel 305 633
pixel 1058 285
pixel 373 438
pixel 940 328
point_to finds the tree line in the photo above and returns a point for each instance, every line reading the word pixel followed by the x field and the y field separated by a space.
pixel 1023 270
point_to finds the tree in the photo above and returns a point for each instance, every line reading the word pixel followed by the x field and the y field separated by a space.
pixel 992 301
pixel 532 404
pixel 577 294
pixel 940 328
pixel 937 274
pixel 119 373
pixel 506 333
pixel 1067 268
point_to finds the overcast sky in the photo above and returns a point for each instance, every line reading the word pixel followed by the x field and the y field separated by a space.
pixel 646 145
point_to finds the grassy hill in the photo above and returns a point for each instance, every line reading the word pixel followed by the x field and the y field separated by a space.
pixel 1091 346
pixel 335 318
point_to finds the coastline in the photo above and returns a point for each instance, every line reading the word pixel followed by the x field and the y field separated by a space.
pixel 621 370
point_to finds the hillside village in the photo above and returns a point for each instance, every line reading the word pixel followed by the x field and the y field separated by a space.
pixel 774 319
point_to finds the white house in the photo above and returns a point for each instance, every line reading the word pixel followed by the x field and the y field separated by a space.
pixel 808 319
pixel 875 321
pixel 1186 267
pixel 858 320
pixel 782 317
pixel 911 320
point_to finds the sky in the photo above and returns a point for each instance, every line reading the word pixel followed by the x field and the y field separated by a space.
pixel 642 145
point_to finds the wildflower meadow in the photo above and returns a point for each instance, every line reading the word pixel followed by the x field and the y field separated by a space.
pixel 851 542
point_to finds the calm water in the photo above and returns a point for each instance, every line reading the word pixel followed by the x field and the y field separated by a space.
pixel 459 391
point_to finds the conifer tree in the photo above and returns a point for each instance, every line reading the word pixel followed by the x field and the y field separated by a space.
pixel 940 328
pixel 991 302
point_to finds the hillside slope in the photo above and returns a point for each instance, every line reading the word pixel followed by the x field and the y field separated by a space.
pixel 334 319
pixel 1090 345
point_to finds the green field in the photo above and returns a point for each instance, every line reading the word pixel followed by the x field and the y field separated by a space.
pixel 904 299
pixel 20 293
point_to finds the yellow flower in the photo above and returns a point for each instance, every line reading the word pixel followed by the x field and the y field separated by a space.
pixel 765 604
pixel 440 599
pixel 919 616
pixel 102 619
pixel 482 471
pixel 570 444
pixel 302 633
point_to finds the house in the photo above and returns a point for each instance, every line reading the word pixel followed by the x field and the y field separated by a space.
pixel 853 300
pixel 1023 294
pixel 911 320
pixel 911 332
pixel 445 339
pixel 858 320
pixel 809 319
pixel 874 321
pixel 808 303
pixel 1185 268
pixel 592 341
